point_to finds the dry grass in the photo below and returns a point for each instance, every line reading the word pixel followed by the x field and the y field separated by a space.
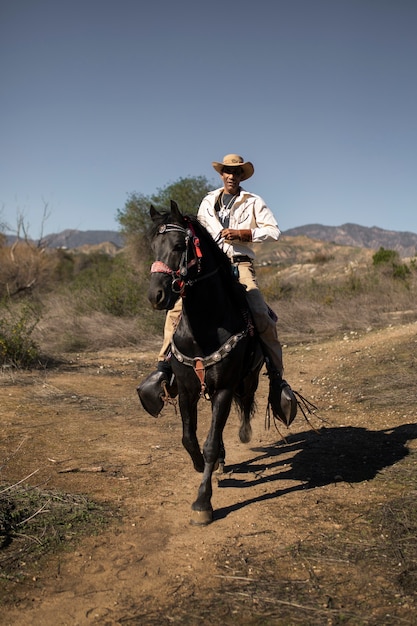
pixel 24 267
pixel 35 521
pixel 337 300
pixel 334 301
pixel 64 329
pixel 316 288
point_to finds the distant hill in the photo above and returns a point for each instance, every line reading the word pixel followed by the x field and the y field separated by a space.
pixel 405 243
pixel 78 238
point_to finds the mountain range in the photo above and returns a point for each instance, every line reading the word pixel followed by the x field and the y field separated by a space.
pixel 405 243
pixel 77 238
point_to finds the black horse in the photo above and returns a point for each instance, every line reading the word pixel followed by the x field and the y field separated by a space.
pixel 215 352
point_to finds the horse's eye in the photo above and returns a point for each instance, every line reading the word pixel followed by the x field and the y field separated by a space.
pixel 179 247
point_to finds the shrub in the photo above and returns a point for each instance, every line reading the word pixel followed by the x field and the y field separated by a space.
pixel 400 270
pixel 24 268
pixel 321 257
pixel 108 285
pixel 391 259
pixel 384 256
pixel 17 347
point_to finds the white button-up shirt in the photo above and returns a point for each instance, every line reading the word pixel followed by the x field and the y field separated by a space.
pixel 249 211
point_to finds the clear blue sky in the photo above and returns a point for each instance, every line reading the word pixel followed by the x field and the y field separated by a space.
pixel 101 98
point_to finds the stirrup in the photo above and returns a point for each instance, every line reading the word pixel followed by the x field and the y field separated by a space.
pixel 281 400
pixel 155 390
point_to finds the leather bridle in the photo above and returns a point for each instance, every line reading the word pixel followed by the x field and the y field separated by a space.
pixel 179 281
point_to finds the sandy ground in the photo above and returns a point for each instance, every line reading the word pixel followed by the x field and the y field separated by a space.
pixel 275 498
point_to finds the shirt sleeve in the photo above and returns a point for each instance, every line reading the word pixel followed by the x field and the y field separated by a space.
pixel 266 226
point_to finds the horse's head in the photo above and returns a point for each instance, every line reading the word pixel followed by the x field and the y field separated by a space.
pixel 177 255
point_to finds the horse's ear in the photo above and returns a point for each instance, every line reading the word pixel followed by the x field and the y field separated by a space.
pixel 175 212
pixel 154 213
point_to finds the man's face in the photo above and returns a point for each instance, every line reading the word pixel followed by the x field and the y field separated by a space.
pixel 231 177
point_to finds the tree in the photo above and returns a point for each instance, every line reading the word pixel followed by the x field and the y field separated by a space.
pixel 187 193
pixel 135 220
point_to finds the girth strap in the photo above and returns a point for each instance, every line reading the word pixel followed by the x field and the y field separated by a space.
pixel 200 372
pixel 201 363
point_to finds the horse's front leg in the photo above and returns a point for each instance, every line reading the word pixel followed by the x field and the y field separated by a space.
pixel 188 410
pixel 202 510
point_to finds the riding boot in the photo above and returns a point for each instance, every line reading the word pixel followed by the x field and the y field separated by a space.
pixel 281 398
pixel 165 367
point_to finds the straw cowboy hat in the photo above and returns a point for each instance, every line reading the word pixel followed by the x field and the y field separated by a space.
pixel 234 160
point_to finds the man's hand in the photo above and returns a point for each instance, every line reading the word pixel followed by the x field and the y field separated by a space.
pixel 233 234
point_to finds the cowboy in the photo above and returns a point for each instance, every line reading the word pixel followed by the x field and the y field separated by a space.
pixel 235 218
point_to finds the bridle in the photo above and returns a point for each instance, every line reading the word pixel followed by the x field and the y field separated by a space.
pixel 179 281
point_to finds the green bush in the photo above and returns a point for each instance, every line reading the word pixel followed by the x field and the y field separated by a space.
pixel 109 285
pixel 400 270
pixel 391 259
pixel 384 257
pixel 17 347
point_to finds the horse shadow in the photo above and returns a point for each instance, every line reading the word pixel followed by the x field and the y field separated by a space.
pixel 344 454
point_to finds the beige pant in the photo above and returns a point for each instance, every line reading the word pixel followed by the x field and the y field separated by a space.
pixel 171 321
pixel 264 324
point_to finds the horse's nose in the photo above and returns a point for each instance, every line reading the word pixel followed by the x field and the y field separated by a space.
pixel 156 297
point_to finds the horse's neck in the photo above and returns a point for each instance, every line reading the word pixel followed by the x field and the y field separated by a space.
pixel 211 313
pixel 210 297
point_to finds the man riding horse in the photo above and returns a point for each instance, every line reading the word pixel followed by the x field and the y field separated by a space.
pixel 235 218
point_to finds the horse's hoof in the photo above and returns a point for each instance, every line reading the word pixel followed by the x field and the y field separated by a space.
pixel 201 518
pixel 220 467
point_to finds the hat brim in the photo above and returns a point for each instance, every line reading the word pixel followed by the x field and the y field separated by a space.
pixel 247 168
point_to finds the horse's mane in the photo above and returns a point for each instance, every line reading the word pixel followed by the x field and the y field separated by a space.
pixel 221 259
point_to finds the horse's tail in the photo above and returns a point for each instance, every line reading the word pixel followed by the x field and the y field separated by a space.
pixel 245 394
pixel 245 403
pixel 245 430
pixel 246 408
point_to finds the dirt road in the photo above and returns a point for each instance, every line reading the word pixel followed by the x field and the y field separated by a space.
pixel 298 535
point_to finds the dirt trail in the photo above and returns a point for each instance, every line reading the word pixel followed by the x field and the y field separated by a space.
pixel 153 567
